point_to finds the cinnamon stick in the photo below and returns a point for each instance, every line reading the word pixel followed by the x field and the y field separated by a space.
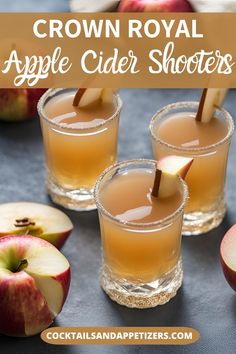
pixel 156 184
pixel 78 95
pixel 201 105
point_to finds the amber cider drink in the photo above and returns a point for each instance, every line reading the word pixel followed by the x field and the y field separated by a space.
pixel 79 144
pixel 175 131
pixel 141 235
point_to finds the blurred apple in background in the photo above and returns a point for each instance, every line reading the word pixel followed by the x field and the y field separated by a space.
pixel 19 104
pixel 34 282
pixel 155 6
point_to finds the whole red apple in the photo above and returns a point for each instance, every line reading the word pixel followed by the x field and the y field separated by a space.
pixel 34 282
pixel 19 104
pixel 155 6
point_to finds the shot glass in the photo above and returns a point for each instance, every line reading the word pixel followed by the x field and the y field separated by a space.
pixel 75 157
pixel 206 206
pixel 141 262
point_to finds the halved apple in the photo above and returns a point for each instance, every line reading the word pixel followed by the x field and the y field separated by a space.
pixel 171 167
pixel 35 219
pixel 34 283
pixel 228 256
pixel 87 96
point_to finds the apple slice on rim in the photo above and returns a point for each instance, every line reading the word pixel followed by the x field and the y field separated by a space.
pixel 35 219
pixel 166 180
pixel 175 165
pixel 211 99
pixel 228 256
pixel 165 185
pixel 34 283
pixel 87 96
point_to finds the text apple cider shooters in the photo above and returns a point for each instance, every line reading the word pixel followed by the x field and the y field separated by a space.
pixel 202 131
pixel 141 222
pixel 80 132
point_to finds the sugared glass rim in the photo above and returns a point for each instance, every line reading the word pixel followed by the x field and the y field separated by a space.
pixel 162 222
pixel 190 104
pixel 53 91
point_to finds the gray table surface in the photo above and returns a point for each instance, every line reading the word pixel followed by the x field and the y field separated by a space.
pixel 205 301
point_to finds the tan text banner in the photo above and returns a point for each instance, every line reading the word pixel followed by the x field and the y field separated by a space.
pixel 120 335
pixel 117 50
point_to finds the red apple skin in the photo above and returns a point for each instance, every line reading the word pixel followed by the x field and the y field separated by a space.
pixel 57 240
pixel 19 294
pixel 64 279
pixel 229 273
pixel 33 96
pixel 13 310
pixel 155 6
pixel 59 243
pixel 19 104
pixel 185 171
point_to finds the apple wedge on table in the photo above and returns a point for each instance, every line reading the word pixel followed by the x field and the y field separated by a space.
pixel 228 256
pixel 34 283
pixel 35 219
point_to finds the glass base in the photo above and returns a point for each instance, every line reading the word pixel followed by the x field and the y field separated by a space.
pixel 197 223
pixel 79 199
pixel 142 295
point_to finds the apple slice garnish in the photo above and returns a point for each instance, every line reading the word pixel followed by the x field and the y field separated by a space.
pixel 167 172
pixel 35 219
pixel 228 256
pixel 34 283
pixel 107 95
pixel 175 165
pixel 87 96
pixel 211 99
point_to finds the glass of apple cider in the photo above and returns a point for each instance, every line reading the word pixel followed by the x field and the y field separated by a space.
pixel 79 144
pixel 141 235
pixel 174 130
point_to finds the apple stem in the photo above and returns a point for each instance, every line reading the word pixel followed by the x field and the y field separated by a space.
pixel 201 105
pixel 156 184
pixel 22 265
pixel 78 95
